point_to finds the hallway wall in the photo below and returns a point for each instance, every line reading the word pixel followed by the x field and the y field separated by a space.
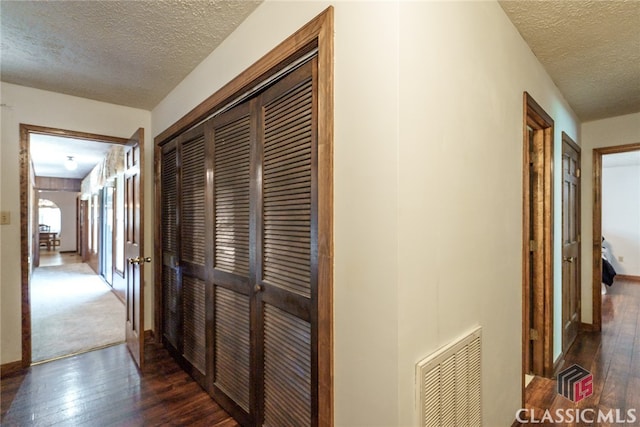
pixel 42 108
pixel 610 132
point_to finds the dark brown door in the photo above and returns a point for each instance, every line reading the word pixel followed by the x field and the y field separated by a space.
pixel 570 241
pixel 133 249
pixel 239 230
pixel 286 282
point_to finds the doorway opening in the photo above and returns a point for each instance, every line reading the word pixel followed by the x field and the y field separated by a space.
pixel 537 236
pixel 44 284
pixel 597 261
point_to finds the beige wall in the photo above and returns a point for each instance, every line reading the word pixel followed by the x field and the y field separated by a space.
pixel 463 70
pixel 37 107
pixel 428 157
pixel 620 130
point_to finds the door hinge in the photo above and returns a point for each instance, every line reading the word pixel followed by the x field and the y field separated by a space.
pixel 533 334
pixel 577 173
pixel 532 246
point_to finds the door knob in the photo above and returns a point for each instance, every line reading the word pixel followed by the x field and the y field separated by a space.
pixel 569 259
pixel 139 260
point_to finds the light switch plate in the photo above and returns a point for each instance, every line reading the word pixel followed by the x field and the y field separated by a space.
pixel 5 218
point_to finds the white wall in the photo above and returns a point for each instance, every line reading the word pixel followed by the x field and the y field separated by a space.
pixel 42 108
pixel 66 201
pixel 611 132
pixel 463 71
pixel 621 217
pixel 428 187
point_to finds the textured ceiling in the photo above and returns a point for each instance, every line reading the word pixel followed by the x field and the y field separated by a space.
pixel 590 48
pixel 134 52
pixel 122 52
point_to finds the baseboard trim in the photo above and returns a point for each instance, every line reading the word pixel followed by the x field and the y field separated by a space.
pixel 10 368
pixel 628 277
pixel 587 327
pixel 148 335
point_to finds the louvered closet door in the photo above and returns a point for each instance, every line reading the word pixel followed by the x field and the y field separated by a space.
pixel 231 134
pixel 170 277
pixel 287 258
pixel 192 221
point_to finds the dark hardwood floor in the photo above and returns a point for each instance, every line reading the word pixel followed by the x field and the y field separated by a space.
pixel 105 388
pixel 612 357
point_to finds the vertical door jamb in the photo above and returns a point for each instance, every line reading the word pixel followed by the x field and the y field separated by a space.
pixel 538 241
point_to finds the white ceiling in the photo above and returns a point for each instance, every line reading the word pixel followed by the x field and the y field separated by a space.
pixel 590 48
pixel 48 154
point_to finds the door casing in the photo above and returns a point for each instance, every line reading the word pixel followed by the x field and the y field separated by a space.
pixel 597 227
pixel 25 207
pixel 537 239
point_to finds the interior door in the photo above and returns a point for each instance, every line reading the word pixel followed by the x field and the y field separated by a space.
pixel 570 241
pixel 133 249
pixel 285 291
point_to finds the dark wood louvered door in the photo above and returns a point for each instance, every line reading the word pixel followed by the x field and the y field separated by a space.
pixel 186 297
pixel 239 273
pixel 170 258
pixel 230 150
pixel 286 275
pixel 192 220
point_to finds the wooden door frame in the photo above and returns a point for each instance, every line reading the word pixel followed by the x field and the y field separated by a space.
pixel 25 182
pixel 571 143
pixel 536 118
pixel 597 227
pixel 317 34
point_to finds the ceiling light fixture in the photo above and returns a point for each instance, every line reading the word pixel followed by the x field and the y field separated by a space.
pixel 70 164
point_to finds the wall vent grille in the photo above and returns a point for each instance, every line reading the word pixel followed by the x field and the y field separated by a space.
pixel 448 384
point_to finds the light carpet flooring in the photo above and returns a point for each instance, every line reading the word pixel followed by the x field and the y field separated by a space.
pixel 72 311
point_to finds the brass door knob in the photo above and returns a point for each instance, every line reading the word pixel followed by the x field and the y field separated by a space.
pixel 139 260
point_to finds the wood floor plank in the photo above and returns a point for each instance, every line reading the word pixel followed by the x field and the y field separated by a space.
pixel 106 388
pixel 611 356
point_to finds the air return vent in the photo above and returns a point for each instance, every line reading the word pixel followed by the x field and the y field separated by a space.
pixel 448 384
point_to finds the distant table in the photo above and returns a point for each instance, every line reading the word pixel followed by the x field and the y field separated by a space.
pixel 48 238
